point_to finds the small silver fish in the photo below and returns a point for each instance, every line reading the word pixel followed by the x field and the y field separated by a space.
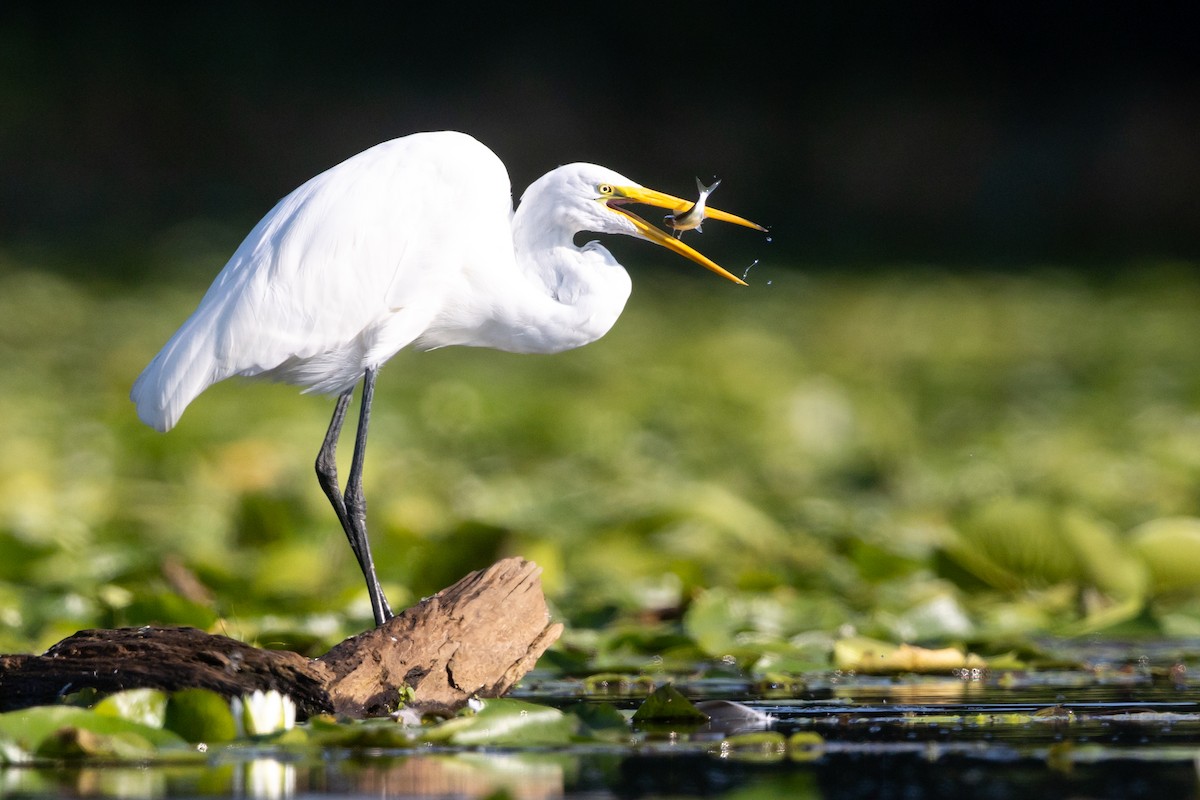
pixel 693 218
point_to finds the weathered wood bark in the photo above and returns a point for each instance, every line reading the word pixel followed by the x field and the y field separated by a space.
pixel 158 658
pixel 475 638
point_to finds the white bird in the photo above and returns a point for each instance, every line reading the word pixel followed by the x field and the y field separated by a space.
pixel 411 243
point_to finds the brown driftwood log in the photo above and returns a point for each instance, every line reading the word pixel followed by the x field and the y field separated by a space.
pixel 475 638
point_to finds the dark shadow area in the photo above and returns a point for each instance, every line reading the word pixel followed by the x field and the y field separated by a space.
pixel 996 134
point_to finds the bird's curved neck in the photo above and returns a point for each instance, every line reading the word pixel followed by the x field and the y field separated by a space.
pixel 582 289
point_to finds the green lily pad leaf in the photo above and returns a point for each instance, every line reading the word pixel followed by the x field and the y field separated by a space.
pixel 745 624
pixel 617 683
pixel 1107 561
pixel 872 656
pixel 292 736
pixel 1014 542
pixel 73 742
pixel 600 721
pixel 785 663
pixel 29 728
pixel 144 706
pixel 1170 548
pixel 372 733
pixel 667 705
pixel 86 697
pixel 511 722
pixel 200 715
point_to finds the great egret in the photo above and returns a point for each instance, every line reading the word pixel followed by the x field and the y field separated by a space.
pixel 412 242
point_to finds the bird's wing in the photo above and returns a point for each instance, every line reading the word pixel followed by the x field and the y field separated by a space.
pixel 344 271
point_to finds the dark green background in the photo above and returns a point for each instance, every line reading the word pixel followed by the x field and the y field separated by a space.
pixel 986 133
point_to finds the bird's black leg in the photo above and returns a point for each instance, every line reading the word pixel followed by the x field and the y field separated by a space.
pixel 351 506
pixel 327 474
pixel 356 504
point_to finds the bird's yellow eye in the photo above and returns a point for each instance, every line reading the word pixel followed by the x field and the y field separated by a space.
pixel 604 189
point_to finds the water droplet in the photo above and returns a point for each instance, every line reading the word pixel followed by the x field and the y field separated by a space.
pixel 770 239
pixel 747 272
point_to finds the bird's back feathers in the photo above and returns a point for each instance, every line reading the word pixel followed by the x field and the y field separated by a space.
pixel 411 242
pixel 327 284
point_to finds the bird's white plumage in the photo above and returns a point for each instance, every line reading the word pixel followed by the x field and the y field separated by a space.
pixel 412 242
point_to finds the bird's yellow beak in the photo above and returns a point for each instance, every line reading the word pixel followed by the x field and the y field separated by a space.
pixel 618 196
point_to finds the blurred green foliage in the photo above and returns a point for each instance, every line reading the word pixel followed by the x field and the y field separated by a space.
pixel 907 454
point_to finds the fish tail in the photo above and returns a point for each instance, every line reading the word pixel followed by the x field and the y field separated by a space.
pixel 706 190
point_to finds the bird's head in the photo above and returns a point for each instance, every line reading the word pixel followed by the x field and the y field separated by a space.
pixel 595 198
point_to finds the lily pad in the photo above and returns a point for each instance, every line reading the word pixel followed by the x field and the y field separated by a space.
pixel 667 705
pixel 30 728
pixel 200 715
pixel 76 742
pixel 509 722
pixel 1170 548
pixel 144 706
pixel 871 656
pixel 601 721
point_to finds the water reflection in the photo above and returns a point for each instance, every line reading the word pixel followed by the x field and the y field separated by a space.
pixel 1036 734
pixel 529 777
pixel 845 771
pixel 266 779
pixel 526 777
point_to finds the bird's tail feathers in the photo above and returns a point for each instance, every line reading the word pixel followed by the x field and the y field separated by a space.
pixel 184 368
